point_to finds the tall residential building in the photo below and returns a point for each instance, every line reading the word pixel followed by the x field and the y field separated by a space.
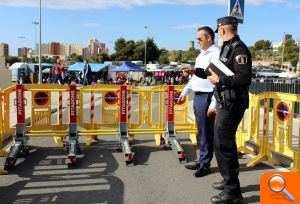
pixel 55 48
pixel 23 51
pixel 65 49
pixel 60 50
pixel 45 49
pixel 75 48
pixel 95 47
pixel 4 50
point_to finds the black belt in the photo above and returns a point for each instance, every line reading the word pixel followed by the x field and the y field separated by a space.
pixel 200 92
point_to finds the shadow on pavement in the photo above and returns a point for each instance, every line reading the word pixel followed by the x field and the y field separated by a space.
pixel 43 177
pixel 251 199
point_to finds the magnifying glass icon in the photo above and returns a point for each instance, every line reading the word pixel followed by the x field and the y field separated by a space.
pixel 277 184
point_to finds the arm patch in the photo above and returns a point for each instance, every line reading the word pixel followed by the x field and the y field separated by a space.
pixel 241 59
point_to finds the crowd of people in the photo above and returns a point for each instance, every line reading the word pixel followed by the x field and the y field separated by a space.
pixel 86 77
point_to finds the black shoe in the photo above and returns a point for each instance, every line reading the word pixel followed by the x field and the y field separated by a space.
pixel 219 185
pixel 202 172
pixel 194 166
pixel 225 198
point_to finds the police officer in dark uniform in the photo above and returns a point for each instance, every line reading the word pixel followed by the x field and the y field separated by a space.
pixel 232 97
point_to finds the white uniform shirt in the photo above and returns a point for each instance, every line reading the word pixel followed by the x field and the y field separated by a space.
pixel 197 84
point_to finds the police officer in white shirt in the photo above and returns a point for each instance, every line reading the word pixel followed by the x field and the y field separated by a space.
pixel 203 108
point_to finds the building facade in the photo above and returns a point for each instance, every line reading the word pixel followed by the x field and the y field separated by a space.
pixel 4 50
pixel 96 47
pixel 23 51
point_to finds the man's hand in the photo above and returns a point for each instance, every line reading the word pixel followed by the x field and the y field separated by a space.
pixel 211 112
pixel 181 98
pixel 213 78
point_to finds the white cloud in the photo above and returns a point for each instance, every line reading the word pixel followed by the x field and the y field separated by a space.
pixel 101 4
pixel 187 26
pixel 91 24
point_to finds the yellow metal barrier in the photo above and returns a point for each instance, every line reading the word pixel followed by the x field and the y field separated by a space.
pixel 2 152
pixel 99 115
pixel 94 123
pixel 147 97
pixel 42 101
pixel 277 140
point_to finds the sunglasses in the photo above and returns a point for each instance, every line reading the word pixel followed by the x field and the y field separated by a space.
pixel 200 39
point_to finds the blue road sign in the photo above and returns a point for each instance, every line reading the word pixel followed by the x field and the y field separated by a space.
pixel 236 9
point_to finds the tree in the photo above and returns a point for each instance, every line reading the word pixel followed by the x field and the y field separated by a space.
pixel 24 58
pixel 152 50
pixel 263 45
pixel 291 52
pixel 163 56
pixel 139 50
pixel 131 50
pixel 174 56
pixel 11 60
pixel 191 54
pixel 120 49
pixel 103 56
pixel 76 58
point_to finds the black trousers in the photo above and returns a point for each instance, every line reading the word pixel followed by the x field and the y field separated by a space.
pixel 227 121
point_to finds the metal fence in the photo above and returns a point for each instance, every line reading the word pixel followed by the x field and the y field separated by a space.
pixel 292 86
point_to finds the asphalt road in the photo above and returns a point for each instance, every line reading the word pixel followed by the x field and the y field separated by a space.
pixel 102 177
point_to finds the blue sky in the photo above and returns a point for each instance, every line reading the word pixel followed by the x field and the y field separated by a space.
pixel 172 23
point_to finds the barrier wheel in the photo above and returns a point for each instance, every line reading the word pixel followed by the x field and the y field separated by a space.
pixel 71 161
pixel 182 157
pixel 10 163
pixel 129 160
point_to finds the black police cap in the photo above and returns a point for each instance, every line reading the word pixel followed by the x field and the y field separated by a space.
pixel 227 20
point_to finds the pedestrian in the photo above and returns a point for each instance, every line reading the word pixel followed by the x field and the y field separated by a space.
pixel 87 73
pixel 232 97
pixel 203 92
pixel 57 70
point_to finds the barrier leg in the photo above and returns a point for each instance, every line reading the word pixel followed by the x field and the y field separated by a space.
pixel 263 147
pixel 20 141
pixel 2 154
pixel 170 136
pixel 72 144
pixel 158 139
pixel 123 143
pixel 193 138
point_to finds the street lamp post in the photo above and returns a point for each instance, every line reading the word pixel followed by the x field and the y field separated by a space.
pixel 282 52
pixel 35 49
pixel 298 64
pixel 40 44
pixel 145 62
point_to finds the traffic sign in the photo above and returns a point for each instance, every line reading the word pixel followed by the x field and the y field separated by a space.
pixel 177 101
pixel 283 111
pixel 111 98
pixel 41 98
pixel 236 9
